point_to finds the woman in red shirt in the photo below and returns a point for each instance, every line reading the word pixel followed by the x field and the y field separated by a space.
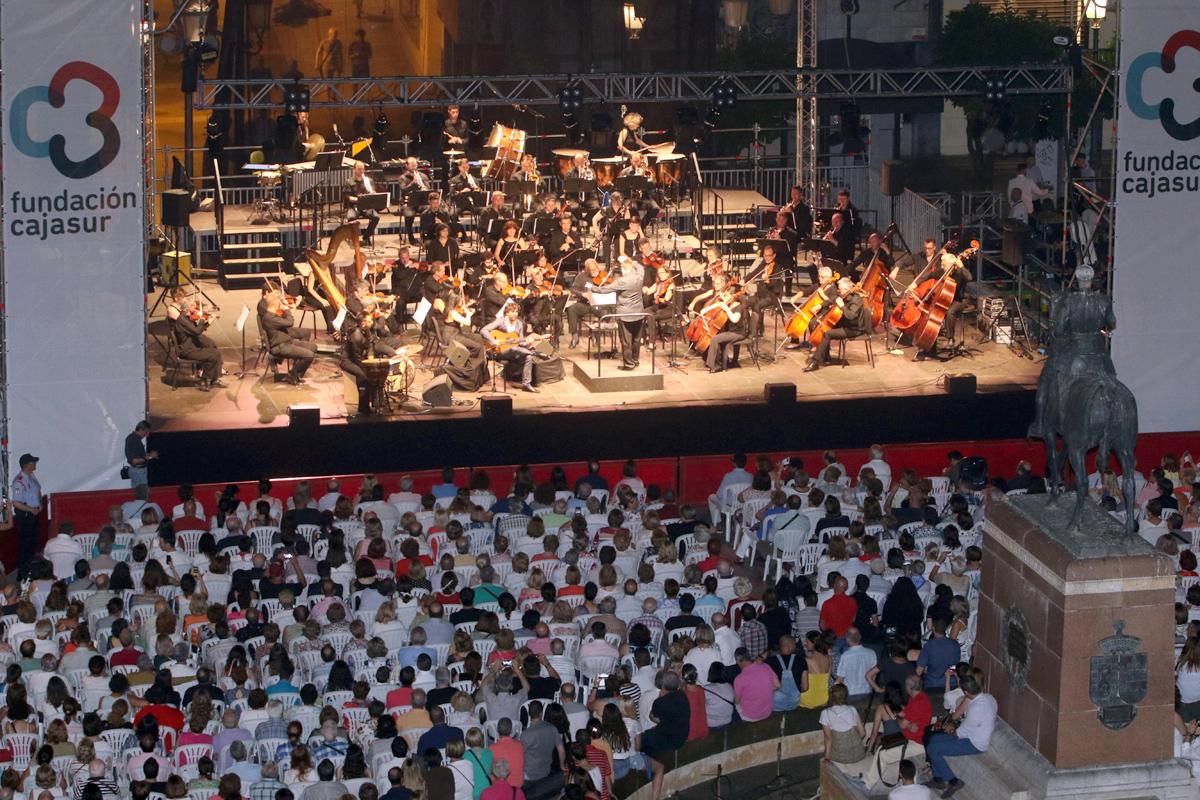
pixel 698 721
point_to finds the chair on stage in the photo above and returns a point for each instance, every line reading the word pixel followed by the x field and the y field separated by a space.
pixel 174 362
pixel 866 342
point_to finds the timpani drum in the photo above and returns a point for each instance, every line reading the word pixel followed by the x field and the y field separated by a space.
pixel 668 169
pixel 564 159
pixel 607 170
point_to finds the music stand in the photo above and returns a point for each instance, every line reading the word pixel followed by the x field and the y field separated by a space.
pixel 780 246
pixel 376 201
pixel 633 183
pixel 329 160
pixel 515 188
pixel 578 186
pixel 542 226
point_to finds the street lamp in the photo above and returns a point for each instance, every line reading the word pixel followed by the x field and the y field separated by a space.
pixel 1095 11
pixel 258 20
pixel 633 23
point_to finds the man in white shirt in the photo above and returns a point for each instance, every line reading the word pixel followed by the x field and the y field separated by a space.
pixel 406 493
pixel 882 470
pixel 727 640
pixel 333 493
pixel 131 510
pixel 908 788
pixel 736 476
pixel 63 551
pixel 976 715
pixel 1028 188
pixel 643 678
pixel 854 664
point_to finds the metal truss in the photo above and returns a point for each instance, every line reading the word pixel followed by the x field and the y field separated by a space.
pixel 807 119
pixel 542 90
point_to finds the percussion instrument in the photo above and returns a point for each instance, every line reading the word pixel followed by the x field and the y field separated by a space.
pixel 510 145
pixel 607 170
pixel 268 178
pixel 668 169
pixel 359 145
pixel 564 159
pixel 660 149
pixel 401 372
pixel 313 145
pixel 453 153
pixel 376 370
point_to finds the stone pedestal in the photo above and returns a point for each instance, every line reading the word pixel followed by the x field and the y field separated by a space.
pixel 1050 605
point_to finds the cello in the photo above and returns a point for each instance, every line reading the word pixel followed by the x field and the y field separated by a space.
pixel 832 317
pixel 797 324
pixel 907 313
pixel 937 302
pixel 712 318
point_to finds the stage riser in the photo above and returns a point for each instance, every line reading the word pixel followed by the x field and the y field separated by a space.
pixel 612 380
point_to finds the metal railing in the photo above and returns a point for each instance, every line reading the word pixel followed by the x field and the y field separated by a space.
pixel 977 206
pixel 917 218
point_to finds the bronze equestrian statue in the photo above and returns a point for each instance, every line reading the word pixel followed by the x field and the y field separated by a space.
pixel 1080 398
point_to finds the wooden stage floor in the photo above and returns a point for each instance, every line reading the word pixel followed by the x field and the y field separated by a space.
pixel 254 400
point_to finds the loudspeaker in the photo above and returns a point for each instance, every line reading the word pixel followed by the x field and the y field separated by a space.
pixel 457 354
pixel 174 263
pixel 964 383
pixel 437 392
pixel 973 469
pixel 496 406
pixel 892 178
pixel 176 208
pixel 778 394
pixel 304 416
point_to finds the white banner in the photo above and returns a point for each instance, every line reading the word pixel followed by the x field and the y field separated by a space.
pixel 1158 203
pixel 74 254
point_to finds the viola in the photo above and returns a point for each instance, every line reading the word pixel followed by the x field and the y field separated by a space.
pixel 661 287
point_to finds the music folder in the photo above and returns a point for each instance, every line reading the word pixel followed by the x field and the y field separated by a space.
pixel 376 201
pixel 578 186
pixel 515 188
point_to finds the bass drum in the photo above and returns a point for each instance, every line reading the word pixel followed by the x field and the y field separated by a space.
pixel 668 169
pixel 400 376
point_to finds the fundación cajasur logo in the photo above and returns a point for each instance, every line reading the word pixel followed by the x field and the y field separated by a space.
pixel 55 148
pixel 1164 110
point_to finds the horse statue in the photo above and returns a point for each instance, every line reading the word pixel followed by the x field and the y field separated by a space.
pixel 1081 400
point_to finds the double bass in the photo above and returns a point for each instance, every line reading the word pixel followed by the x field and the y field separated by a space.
pixel 874 285
pixel 798 324
pixel 937 303
pixel 908 311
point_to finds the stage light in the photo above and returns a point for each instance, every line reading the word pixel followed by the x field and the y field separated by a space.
pixel 296 99
pixel 633 23
pixel 570 97
pixel 724 94
pixel 1063 37
pixel 994 89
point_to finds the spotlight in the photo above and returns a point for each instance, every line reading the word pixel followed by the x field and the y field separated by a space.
pixel 724 94
pixel 296 99
pixel 994 89
pixel 570 98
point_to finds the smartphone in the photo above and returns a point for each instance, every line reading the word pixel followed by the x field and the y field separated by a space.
pixel 602 686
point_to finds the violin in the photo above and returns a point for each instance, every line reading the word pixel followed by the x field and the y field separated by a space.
pixel 655 260
pixel 602 277
pixel 661 288
pixel 715 268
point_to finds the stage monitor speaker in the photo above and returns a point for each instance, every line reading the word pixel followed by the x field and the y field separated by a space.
pixel 974 470
pixel 437 392
pixel 963 383
pixel 778 394
pixel 304 416
pixel 892 178
pixel 176 208
pixel 496 406
pixel 173 264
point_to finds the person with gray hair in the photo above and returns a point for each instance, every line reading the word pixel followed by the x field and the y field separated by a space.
pixel 275 727
pixel 326 787
pixel 249 773
pixel 266 786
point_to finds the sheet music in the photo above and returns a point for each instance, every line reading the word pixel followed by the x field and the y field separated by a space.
pixel 606 299
pixel 242 317
pixel 423 309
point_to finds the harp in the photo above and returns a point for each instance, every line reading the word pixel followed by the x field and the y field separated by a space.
pixel 322 265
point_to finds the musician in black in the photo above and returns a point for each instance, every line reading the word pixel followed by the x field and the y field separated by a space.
pixel 435 285
pixel 564 239
pixel 874 251
pixel 580 292
pixel 611 223
pixel 462 184
pixel 187 327
pixel 629 242
pixel 492 219
pixel 800 216
pixel 855 321
pixel 285 340
pixel 723 349
pixel 358 347
pixel 948 263
pixel 658 291
pixel 850 214
pixel 413 183
pixel 304 291
pixel 434 214
pixel 361 184
pixel 544 221
pixel 786 241
pixel 455 129
pixel 767 272
pixel 647 207
pixel 444 249
pixel 843 238
pixel 493 298
pixel 406 286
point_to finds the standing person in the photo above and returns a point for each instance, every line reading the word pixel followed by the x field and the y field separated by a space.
pixel 27 505
pixel 360 55
pixel 137 456
pixel 330 55
pixel 628 288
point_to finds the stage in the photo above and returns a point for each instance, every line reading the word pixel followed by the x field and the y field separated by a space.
pixel 256 400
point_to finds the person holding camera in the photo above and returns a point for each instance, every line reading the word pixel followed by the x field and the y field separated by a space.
pixel 138 456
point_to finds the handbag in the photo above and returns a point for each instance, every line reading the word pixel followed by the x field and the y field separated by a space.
pixel 890 741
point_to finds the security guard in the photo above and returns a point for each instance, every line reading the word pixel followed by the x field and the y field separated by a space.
pixel 27 505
